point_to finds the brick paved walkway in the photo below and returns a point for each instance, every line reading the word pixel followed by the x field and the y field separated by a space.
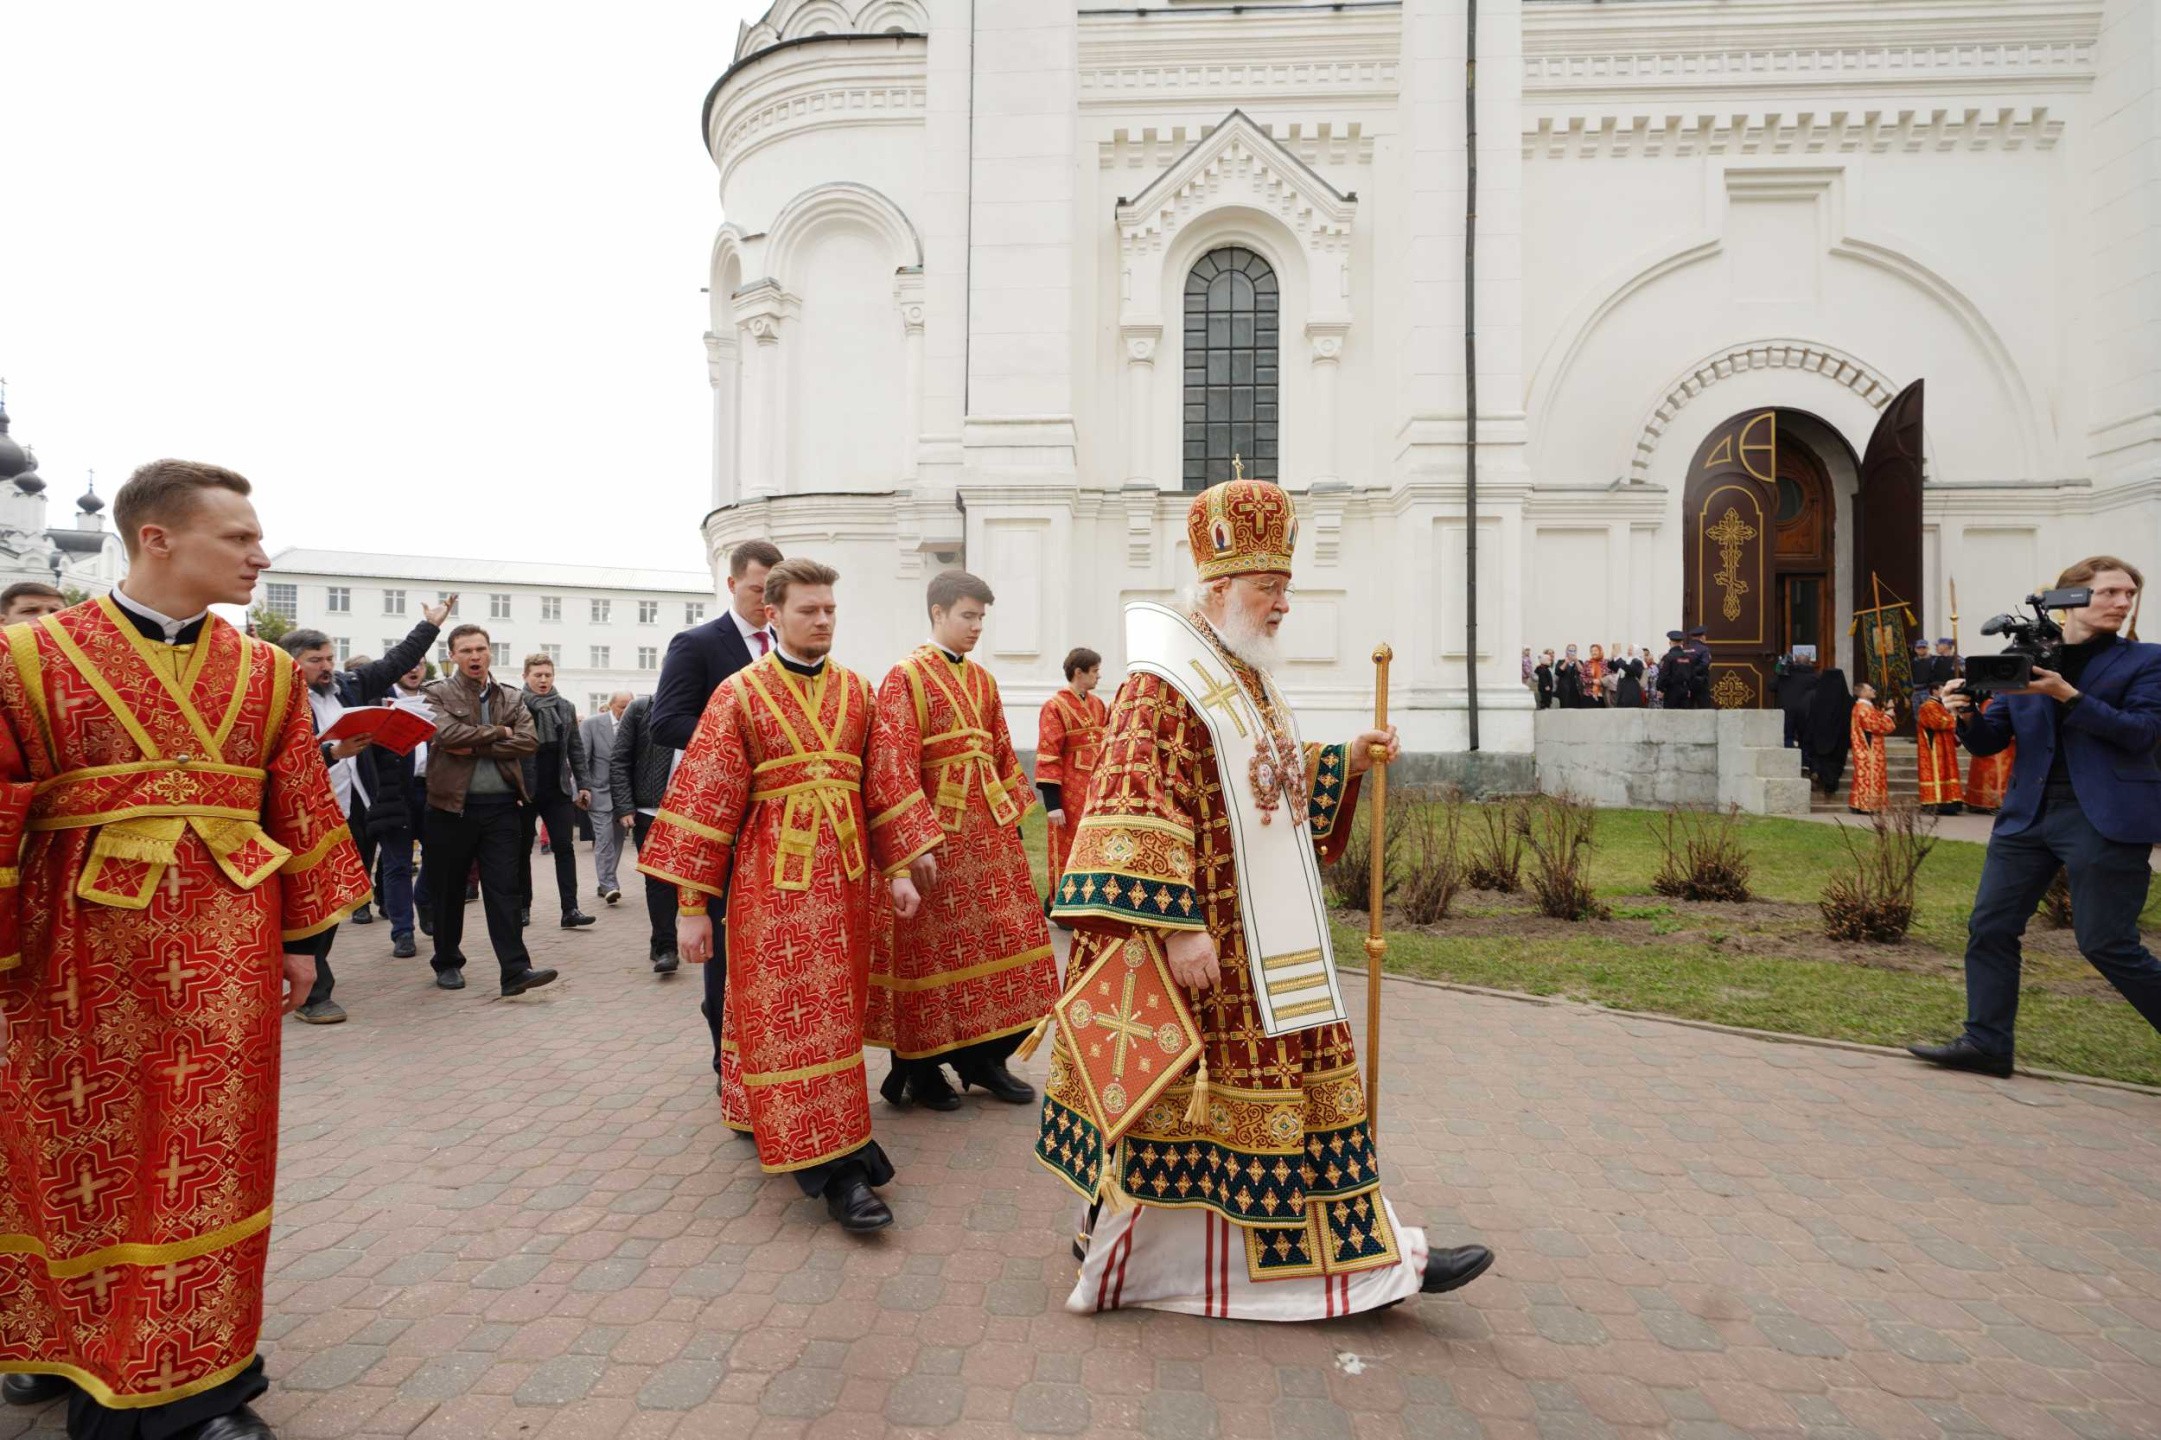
pixel 523 1219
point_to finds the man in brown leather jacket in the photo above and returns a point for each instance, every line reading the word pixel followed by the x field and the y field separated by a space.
pixel 474 789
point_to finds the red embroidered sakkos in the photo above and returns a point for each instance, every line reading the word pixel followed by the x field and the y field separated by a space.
pixel 1988 777
pixel 975 963
pixel 816 797
pixel 1871 770
pixel 175 823
pixel 1069 743
pixel 1937 736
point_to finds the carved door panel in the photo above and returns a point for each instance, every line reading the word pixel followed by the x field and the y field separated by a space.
pixel 1887 512
pixel 1728 514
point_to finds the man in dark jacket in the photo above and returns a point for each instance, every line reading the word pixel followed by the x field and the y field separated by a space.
pixel 1673 683
pixel 330 691
pixel 555 788
pixel 638 771
pixel 1699 668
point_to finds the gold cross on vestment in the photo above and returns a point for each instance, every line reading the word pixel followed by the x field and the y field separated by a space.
pixel 102 1282
pixel 1121 1023
pixel 1220 695
pixel 174 1172
pixel 182 1070
pixel 176 975
pixel 168 1278
pixel 166 1377
pixel 69 997
pixel 87 1186
pixel 78 1094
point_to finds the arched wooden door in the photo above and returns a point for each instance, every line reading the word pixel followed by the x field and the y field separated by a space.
pixel 1728 510
pixel 1887 515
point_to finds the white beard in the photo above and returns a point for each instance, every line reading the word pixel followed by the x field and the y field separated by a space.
pixel 1251 643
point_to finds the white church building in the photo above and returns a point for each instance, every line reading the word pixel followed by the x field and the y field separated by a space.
pixel 1778 305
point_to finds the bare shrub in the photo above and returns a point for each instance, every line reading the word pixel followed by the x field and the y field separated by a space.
pixel 2056 904
pixel 1351 877
pixel 1558 832
pixel 1494 860
pixel 1435 859
pixel 1873 901
pixel 1704 856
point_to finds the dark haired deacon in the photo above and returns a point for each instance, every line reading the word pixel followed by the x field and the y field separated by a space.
pixel 965 978
pixel 164 803
pixel 29 599
pixel 2085 797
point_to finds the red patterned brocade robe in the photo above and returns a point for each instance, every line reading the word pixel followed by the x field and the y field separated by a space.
pixel 1937 735
pixel 1871 770
pixel 168 814
pixel 975 963
pixel 1282 1166
pixel 1988 776
pixel 1069 743
pixel 815 796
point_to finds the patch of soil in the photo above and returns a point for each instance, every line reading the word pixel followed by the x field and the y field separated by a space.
pixel 1760 929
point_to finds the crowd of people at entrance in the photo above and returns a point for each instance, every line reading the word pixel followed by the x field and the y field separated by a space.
pixel 1624 677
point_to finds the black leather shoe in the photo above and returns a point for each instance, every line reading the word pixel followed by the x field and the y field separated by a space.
pixel 577 920
pixel 929 1088
pixel 1002 1083
pixel 665 962
pixel 241 1424
pixel 363 916
pixel 450 979
pixel 525 916
pixel 1963 1054
pixel 403 947
pixel 1453 1269
pixel 33 1389
pixel 526 980
pixel 849 1200
pixel 427 923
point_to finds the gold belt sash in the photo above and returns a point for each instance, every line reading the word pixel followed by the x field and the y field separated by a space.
pixel 809 785
pixel 140 811
pixel 956 757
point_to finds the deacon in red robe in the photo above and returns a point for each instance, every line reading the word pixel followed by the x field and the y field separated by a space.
pixel 793 772
pixel 1987 777
pixel 1069 742
pixel 167 827
pixel 961 981
pixel 1871 768
pixel 1936 733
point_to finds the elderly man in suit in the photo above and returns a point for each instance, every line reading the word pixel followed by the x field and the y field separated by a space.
pixel 598 732
pixel 2085 798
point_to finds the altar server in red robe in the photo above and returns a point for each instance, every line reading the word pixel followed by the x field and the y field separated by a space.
pixel 1069 742
pixel 961 982
pixel 794 773
pixel 1871 768
pixel 167 829
pixel 1936 732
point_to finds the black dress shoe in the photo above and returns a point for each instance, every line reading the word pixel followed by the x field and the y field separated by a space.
pixel 403 947
pixel 665 962
pixel 1453 1269
pixel 363 916
pixel 928 1087
pixel 576 920
pixel 1963 1054
pixel 453 979
pixel 33 1389
pixel 241 1424
pixel 1002 1083
pixel 526 980
pixel 848 1199
pixel 427 923
pixel 525 916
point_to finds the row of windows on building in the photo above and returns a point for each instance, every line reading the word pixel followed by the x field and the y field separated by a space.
pixel 282 597
pixel 597 657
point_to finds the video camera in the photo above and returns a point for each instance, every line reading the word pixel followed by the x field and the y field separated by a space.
pixel 2035 640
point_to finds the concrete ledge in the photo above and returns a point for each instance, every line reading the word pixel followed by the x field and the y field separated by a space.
pixel 1659 758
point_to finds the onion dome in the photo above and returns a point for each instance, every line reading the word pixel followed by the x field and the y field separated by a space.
pixel 88 502
pixel 30 482
pixel 14 460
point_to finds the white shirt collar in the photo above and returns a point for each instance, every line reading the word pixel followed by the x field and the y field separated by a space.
pixel 167 623
pixel 747 630
pixel 948 654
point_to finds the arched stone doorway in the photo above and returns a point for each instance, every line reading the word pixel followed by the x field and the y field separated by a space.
pixel 1761 518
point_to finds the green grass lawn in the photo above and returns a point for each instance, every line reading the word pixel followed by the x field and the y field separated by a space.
pixel 1832 997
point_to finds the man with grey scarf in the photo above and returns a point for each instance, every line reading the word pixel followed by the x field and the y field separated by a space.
pixel 556 780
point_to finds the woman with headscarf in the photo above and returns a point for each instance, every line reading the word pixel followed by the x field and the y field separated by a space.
pixel 1568 681
pixel 1628 690
pixel 1543 675
pixel 1594 677
pixel 1829 736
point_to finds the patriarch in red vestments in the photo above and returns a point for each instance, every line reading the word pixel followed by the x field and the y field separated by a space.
pixel 167 828
pixel 1069 742
pixel 796 801
pixel 962 980
pixel 1936 733
pixel 1871 767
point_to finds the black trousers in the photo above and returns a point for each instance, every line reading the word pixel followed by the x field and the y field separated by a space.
pixel 319 947
pixel 560 815
pixel 965 1059
pixel 88 1420
pixel 488 832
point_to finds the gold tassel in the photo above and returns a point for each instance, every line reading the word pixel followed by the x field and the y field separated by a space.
pixel 1197 1110
pixel 1026 1049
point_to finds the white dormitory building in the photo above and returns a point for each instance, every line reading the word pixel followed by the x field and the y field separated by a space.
pixel 606 628
pixel 999 282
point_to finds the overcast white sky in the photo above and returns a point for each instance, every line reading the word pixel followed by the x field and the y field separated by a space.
pixel 427 273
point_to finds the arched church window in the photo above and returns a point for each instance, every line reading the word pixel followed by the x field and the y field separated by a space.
pixel 1232 308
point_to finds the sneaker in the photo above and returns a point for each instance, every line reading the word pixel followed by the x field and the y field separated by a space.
pixel 526 980
pixel 402 946
pixel 322 1012
pixel 611 894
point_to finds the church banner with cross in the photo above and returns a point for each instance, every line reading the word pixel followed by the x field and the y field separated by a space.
pixel 1128 1030
pixel 1281 904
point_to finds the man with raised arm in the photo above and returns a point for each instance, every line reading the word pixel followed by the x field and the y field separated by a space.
pixel 165 806
pixel 792 801
pixel 1248 1185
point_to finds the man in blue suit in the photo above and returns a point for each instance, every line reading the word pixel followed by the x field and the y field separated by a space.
pixel 2085 795
pixel 698 660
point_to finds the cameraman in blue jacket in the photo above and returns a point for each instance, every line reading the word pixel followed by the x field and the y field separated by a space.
pixel 2085 795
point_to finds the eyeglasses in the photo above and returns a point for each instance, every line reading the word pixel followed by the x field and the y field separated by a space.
pixel 1273 589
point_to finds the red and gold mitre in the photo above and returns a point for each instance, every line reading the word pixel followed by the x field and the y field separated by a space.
pixel 1242 527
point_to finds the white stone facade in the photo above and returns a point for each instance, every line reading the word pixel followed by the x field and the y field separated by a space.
pixel 368 602
pixel 947 320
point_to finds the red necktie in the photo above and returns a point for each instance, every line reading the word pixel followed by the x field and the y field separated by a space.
pixel 761 645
